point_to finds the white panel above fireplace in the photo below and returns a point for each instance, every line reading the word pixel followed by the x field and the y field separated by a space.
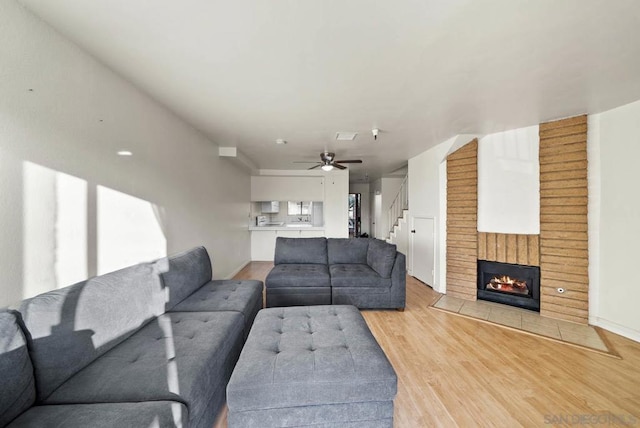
pixel 509 182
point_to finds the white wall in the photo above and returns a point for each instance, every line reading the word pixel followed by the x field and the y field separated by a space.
pixel 427 195
pixel 365 206
pixel 614 219
pixel 509 182
pixel 388 188
pixel 62 118
pixel 336 204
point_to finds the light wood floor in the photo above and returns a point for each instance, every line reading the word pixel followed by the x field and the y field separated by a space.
pixel 454 371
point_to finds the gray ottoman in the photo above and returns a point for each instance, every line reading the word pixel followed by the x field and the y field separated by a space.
pixel 311 365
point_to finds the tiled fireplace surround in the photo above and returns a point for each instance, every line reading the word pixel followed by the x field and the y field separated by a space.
pixel 561 248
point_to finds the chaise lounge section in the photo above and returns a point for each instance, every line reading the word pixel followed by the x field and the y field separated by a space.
pixel 366 273
pixel 150 345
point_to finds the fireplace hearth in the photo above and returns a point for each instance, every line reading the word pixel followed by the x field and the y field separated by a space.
pixel 510 284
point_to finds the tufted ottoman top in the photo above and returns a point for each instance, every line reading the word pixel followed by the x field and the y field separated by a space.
pixel 309 355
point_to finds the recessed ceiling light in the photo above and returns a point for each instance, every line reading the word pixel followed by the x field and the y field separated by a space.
pixel 346 136
pixel 124 153
pixel 280 141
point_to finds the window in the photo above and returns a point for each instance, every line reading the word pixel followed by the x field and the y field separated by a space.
pixel 299 208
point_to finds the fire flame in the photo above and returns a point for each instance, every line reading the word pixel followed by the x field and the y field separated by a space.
pixel 506 283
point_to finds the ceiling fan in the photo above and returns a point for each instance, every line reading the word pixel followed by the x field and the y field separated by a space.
pixel 328 162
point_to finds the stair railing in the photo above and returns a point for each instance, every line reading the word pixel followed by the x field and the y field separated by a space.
pixel 399 204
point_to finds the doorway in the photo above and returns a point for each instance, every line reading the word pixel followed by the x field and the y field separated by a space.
pixel 354 215
pixel 423 249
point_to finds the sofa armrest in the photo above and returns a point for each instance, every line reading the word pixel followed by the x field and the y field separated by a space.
pixel 399 281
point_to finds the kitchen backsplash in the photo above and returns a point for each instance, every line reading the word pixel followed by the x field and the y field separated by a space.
pixel 316 217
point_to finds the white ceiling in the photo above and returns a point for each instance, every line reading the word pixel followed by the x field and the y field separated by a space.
pixel 248 72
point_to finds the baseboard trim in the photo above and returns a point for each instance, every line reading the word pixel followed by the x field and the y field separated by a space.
pixel 616 328
pixel 235 272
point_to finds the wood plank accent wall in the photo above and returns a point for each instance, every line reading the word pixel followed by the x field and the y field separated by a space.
pixel 509 248
pixel 564 256
pixel 462 221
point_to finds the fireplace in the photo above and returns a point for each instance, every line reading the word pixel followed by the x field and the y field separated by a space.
pixel 510 284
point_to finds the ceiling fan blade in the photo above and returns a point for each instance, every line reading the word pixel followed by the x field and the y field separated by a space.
pixel 350 161
pixel 314 167
pixel 305 161
pixel 336 165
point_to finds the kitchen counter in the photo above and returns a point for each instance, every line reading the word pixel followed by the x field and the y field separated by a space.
pixel 283 227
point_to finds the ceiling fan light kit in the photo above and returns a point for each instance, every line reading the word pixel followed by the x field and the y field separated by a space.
pixel 375 132
pixel 328 162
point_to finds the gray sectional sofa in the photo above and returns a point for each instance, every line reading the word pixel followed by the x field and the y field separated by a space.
pixel 150 345
pixel 364 272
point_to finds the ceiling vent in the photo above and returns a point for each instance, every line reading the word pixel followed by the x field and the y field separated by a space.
pixel 346 136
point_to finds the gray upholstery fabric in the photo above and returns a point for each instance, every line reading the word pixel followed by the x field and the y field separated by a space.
pixel 244 296
pixel 366 415
pixel 301 250
pixel 17 386
pixel 298 275
pixel 356 275
pixel 376 297
pixel 71 327
pixel 181 356
pixel 298 284
pixel 345 250
pixel 381 256
pixel 184 273
pixel 363 297
pixel 306 356
pixel 152 414
pixel 367 273
pixel 398 289
pixel 298 296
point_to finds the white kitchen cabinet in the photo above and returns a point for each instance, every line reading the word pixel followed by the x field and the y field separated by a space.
pixel 288 233
pixel 263 242
pixel 311 233
pixel 279 188
pixel 270 207
pixel 263 245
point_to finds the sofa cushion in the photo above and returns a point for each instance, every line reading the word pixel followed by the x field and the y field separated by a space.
pixel 346 250
pixel 184 273
pixel 298 296
pixel 105 415
pixel 223 295
pixel 18 391
pixel 356 275
pixel 381 256
pixel 243 296
pixel 71 327
pixel 298 275
pixel 301 250
pixel 180 356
